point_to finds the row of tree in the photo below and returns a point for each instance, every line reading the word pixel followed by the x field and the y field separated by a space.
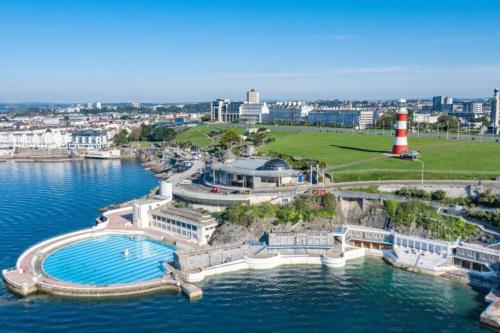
pixel 305 208
pixel 144 133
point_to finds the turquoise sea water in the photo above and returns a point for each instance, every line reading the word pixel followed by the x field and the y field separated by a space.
pixel 38 201
pixel 102 260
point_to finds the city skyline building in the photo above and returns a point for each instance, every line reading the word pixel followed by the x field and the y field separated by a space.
pixel 253 96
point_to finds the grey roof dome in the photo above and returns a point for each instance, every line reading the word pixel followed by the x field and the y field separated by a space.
pixel 275 164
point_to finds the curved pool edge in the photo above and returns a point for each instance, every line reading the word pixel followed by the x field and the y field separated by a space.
pixel 28 277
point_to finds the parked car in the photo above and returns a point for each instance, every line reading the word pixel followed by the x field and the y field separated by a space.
pixel 186 181
pixel 215 190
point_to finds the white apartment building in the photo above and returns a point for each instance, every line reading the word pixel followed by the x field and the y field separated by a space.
pixel 358 118
pixel 425 118
pixel 253 112
pixel 89 140
pixel 41 138
pixel 290 112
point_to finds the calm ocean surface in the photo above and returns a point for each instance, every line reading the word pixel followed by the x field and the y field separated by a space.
pixel 38 201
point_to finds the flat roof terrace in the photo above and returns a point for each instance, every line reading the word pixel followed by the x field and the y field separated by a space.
pixel 186 214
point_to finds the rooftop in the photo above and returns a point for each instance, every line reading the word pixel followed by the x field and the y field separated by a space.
pixel 187 214
pixel 257 167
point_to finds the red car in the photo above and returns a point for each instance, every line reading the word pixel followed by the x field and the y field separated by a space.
pixel 215 190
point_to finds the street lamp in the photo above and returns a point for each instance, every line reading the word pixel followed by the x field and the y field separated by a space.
pixel 423 168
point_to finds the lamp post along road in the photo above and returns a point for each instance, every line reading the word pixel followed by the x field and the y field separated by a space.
pixel 423 168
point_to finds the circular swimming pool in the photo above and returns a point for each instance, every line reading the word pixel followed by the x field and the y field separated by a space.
pixel 109 260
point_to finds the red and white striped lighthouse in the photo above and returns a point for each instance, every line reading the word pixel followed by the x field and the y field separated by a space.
pixel 401 135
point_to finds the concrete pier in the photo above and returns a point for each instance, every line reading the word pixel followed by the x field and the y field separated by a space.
pixel 192 291
pixel 491 316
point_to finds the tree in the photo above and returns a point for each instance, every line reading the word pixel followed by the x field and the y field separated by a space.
pixel 135 134
pixel 485 121
pixel 229 138
pixel 447 122
pixel 162 133
pixel 386 120
pixel 121 138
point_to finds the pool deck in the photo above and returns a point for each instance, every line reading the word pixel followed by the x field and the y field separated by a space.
pixel 28 276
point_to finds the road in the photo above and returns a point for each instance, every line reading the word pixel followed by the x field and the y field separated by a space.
pixel 488 183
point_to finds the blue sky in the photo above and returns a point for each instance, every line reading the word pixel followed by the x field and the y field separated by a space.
pixel 174 51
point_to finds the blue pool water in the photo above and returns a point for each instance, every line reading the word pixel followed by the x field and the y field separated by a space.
pixel 101 261
pixel 42 200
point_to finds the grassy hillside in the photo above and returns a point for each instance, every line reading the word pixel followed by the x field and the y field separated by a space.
pixel 198 136
pixel 362 157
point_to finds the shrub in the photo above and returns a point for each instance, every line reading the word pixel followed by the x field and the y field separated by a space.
pixel 413 192
pixel 304 208
pixel 438 195
pixel 411 215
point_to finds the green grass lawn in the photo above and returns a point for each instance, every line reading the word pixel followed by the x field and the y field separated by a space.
pixel 199 136
pixel 351 157
pixel 143 144
pixel 360 157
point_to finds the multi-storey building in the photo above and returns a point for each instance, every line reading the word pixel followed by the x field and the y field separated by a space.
pixel 42 138
pixel 89 140
pixel 442 104
pixel 253 96
pixel 223 110
pixel 291 112
pixel 186 223
pixel 473 107
pixel 218 108
pixel 253 112
pixel 342 117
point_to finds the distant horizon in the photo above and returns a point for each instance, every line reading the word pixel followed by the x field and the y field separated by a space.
pixel 267 100
pixel 196 51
